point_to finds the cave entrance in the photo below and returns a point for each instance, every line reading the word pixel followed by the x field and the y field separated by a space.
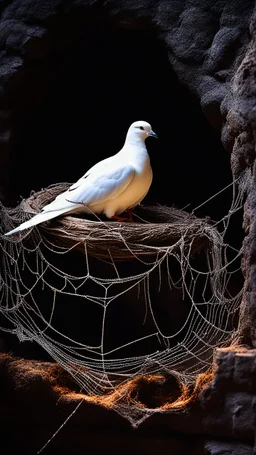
pixel 82 96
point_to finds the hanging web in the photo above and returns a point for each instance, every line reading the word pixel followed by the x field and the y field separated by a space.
pixel 111 301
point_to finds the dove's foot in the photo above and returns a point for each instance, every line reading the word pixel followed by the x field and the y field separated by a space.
pixel 123 218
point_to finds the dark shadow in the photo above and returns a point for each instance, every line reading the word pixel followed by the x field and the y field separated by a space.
pixel 100 83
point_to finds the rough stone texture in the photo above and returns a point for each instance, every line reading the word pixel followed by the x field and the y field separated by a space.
pixel 208 45
pixel 238 133
pixel 239 136
pixel 224 448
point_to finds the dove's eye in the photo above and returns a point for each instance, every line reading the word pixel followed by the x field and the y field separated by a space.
pixel 141 128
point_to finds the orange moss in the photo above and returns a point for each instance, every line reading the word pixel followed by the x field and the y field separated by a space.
pixel 129 391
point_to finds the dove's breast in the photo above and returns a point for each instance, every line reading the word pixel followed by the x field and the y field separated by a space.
pixel 134 193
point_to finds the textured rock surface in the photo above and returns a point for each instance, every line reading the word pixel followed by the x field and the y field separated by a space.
pixel 239 136
pixel 224 448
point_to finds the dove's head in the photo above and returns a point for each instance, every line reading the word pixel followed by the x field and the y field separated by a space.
pixel 140 130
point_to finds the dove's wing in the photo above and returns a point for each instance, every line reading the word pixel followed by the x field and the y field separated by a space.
pixel 97 168
pixel 94 189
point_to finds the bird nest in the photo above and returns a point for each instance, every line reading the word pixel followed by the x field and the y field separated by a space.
pixel 153 228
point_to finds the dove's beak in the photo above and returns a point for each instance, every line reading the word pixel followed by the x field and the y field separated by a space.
pixel 153 134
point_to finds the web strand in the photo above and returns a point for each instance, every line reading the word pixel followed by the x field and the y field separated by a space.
pixel 161 305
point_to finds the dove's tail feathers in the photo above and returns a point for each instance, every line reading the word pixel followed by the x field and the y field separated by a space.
pixel 37 219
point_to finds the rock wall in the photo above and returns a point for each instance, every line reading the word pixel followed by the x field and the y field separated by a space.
pixel 212 51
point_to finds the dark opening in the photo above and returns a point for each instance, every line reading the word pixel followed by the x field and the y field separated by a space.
pixel 92 90
pixel 96 87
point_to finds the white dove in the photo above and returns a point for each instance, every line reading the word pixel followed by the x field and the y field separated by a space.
pixel 111 186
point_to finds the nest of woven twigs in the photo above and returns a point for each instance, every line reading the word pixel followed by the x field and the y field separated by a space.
pixel 152 228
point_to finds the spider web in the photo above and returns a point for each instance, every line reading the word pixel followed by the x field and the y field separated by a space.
pixel 111 302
